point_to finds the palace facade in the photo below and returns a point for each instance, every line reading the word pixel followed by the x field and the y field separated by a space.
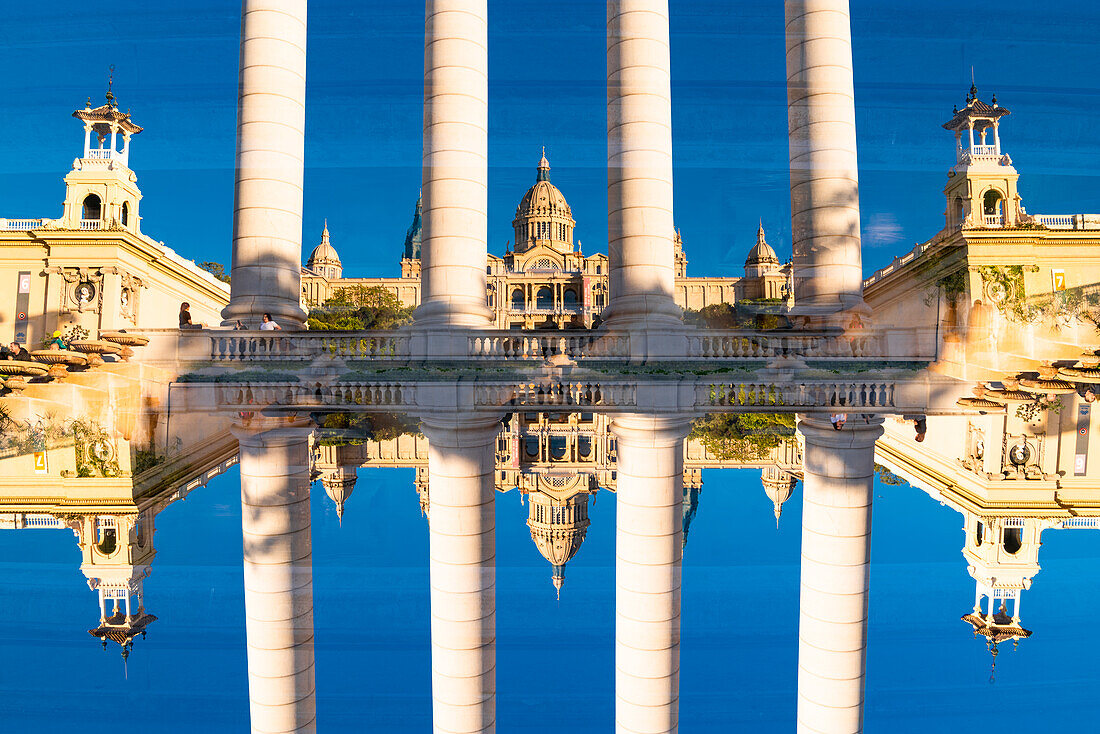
pixel 545 280
pixel 93 266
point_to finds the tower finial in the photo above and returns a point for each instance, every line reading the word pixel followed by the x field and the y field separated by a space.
pixel 544 167
pixel 110 85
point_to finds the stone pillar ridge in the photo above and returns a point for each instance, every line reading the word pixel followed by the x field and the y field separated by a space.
pixel 641 229
pixel 828 275
pixel 462 570
pixel 648 554
pixel 278 578
pixel 267 214
pixel 455 165
pixel 836 536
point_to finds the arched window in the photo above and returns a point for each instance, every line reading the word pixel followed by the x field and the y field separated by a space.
pixel 569 298
pixel 993 207
pixel 531 446
pixel 93 208
pixel 517 299
pixel 125 214
pixel 544 299
pixel 960 213
pixel 1013 540
pixel 557 447
pixel 979 533
pixel 584 446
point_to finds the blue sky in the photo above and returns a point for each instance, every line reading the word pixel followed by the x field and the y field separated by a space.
pixel 555 660
pixel 177 71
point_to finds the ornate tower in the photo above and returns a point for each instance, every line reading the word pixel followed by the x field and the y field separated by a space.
pixel 101 191
pixel 1002 556
pixel 410 259
pixel 558 527
pixel 323 260
pixel 543 217
pixel 117 553
pixel 981 188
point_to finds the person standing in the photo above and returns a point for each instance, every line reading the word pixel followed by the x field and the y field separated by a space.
pixel 269 324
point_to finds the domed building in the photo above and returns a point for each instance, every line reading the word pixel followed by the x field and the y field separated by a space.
pixel 558 526
pixel 323 260
pixel 544 280
pixel 778 484
pixel 339 485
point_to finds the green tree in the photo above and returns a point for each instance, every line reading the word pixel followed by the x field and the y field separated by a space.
pixel 215 269
pixel 743 436
pixel 360 307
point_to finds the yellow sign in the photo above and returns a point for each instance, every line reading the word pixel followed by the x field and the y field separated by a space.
pixel 40 462
pixel 1059 277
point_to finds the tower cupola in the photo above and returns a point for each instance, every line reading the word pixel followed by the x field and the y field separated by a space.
pixel 982 186
pixel 558 527
pixel 543 217
pixel 101 190
pixel 324 259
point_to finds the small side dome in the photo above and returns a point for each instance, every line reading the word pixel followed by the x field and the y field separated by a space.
pixel 761 253
pixel 324 259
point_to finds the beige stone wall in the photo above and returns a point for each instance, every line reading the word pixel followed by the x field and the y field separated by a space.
pixel 118 265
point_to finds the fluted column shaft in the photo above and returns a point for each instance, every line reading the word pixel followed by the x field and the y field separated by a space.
pixel 455 165
pixel 271 117
pixel 278 577
pixel 838 482
pixel 648 553
pixel 462 567
pixel 639 165
pixel 828 268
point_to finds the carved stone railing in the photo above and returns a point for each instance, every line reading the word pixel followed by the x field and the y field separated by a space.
pixel 512 345
pixel 548 394
pixel 839 397
pixel 277 346
pixel 259 395
pixel 726 345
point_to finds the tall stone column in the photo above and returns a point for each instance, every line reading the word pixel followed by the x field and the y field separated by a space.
pixel 639 166
pixel 648 553
pixel 456 174
pixel 828 269
pixel 839 468
pixel 462 567
pixel 278 575
pixel 267 214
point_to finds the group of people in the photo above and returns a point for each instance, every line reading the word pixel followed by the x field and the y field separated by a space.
pixel 15 352
pixel 268 323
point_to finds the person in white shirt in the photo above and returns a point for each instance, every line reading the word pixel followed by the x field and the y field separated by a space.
pixel 269 324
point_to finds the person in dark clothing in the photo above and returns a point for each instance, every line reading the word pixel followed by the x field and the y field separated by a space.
pixel 185 315
pixel 18 353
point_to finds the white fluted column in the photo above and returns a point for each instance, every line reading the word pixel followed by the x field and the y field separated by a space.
pixel 455 174
pixel 839 468
pixel 462 566
pixel 828 267
pixel 639 166
pixel 271 117
pixel 278 575
pixel 648 553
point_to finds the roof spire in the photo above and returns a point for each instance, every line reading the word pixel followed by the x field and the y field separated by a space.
pixel 324 233
pixel 760 232
pixel 110 85
pixel 558 578
pixel 544 167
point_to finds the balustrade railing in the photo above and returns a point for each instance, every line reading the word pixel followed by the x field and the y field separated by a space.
pixel 258 395
pixel 91 224
pixel 267 346
pixel 983 151
pixel 1055 221
pixel 18 225
pixel 101 154
pixel 840 397
pixel 707 344
pixel 993 220
pixel 527 345
pixel 557 394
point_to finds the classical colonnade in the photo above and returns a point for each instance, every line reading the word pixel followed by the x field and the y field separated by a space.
pixel 838 464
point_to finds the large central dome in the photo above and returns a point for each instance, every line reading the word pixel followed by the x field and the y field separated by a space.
pixel 543 216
